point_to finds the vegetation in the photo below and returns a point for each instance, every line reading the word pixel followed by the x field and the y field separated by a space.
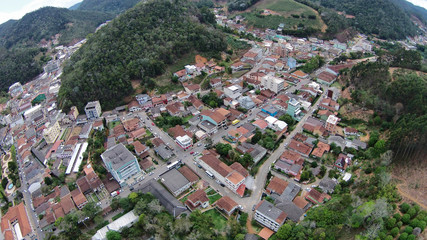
pixel 240 5
pixel 212 100
pixel 131 48
pixel 383 18
pixel 111 6
pixel 313 64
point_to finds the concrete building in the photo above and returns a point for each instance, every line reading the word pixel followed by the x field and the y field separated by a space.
pixel 15 89
pixel 121 163
pixel 233 91
pixel 293 108
pixel 51 133
pixel 184 142
pixel 93 110
pixel 268 215
pixel 273 83
pixel 175 182
pixel 331 123
pixel 126 220
pixel 15 223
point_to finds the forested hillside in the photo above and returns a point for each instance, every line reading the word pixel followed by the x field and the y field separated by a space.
pixel 380 17
pixel 139 44
pixel 111 6
pixel 19 39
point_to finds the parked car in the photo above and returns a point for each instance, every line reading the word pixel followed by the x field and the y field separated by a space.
pixel 152 124
pixel 191 153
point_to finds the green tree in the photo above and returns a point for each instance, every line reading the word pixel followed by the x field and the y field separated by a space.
pixel 394 231
pixel 404 207
pixel 48 181
pixel 113 235
pixel 91 210
pixel 285 231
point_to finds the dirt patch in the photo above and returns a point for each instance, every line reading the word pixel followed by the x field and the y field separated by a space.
pixel 351 111
pixel 412 184
pixel 200 59
pixel 251 230
pixel 346 93
pixel 365 138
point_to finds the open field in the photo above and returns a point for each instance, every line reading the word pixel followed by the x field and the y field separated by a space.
pixel 219 221
pixel 412 183
pixel 283 13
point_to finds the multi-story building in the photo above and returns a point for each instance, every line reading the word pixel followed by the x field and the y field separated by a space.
pixel 233 91
pixel 331 123
pixel 15 223
pixel 270 216
pixel 121 163
pixel 15 89
pixel 293 108
pixel 51 133
pixel 184 141
pixel 93 110
pixel 273 83
pixel 74 113
pixel 211 120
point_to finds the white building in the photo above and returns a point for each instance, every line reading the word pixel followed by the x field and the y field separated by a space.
pixel 273 83
pixel 15 89
pixel 190 69
pixel 93 110
pixel 268 215
pixel 184 141
pixel 233 91
pixel 51 133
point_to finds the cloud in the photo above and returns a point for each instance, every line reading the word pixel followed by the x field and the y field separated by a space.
pixel 421 3
pixel 34 5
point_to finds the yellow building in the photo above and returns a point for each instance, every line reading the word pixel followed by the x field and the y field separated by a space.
pixel 51 133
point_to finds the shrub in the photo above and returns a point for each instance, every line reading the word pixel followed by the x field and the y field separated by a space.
pixel 406 218
pixel 411 237
pixel 414 223
pixel 409 229
pixel 389 237
pixel 394 231
pixel 399 224
pixel 412 212
pixel 403 236
pixel 391 223
pixel 404 207
pixel 397 216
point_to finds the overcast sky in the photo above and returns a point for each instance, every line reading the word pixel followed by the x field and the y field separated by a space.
pixel 15 9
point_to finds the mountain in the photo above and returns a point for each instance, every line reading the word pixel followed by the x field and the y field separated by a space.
pixel 75 6
pixel 419 12
pixel 109 6
pixel 48 21
pixel 388 19
pixel 138 44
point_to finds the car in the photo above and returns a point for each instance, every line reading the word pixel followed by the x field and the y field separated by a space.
pixel 169 162
pixel 191 153
pixel 152 124
pixel 199 144
pixel 151 173
pixel 131 188
pixel 199 166
pixel 222 184
pixel 253 207
pixel 148 118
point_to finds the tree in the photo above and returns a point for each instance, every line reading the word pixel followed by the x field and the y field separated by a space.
pixel 90 210
pixel 305 175
pixel 48 181
pixel 394 231
pixel 404 207
pixel 113 235
pixel 356 221
pixel 256 137
pixel 257 92
pixel 4 182
pixel 285 231
pixel 125 204
pixel 403 236
pixel 223 149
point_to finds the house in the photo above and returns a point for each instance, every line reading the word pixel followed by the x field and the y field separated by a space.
pixel 276 185
pixel 211 120
pixel 175 182
pixel 93 110
pixel 326 78
pixel 349 131
pixel 79 198
pixel 328 185
pixel 131 124
pixel 121 163
pixel 134 106
pixel 163 151
pixel 143 99
pixel 335 69
pixel 175 109
pixel 270 110
pixel 256 151
pixel 197 103
pixel 338 141
pixel 293 108
pixel 191 88
pixel 320 149
pixel 215 82
pixel 15 223
pixel 261 124
pixel 224 174
pixel 300 74
pixel 316 197
pixel 197 199
pixel 182 138
pixel 237 66
pixel 246 102
pixel 315 126
pixel 139 148
pixel 269 216
pixel 329 104
pixel 188 174
pixel 124 221
pixel 227 205
pixel 302 148
pixel 181 75
pixel 157 101
pixel 342 162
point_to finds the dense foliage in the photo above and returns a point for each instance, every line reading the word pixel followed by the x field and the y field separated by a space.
pixel 139 44
pixel 112 6
pixel 381 17
pixel 19 53
pixel 240 5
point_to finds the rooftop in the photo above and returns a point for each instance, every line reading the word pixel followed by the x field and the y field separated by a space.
pixel 118 156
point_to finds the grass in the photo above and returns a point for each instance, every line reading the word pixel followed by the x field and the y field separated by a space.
pixel 336 84
pixel 65 134
pixel 210 191
pixel 111 125
pixel 219 221
pixel 285 8
pixel 238 74
pixel 214 198
pixel 117 216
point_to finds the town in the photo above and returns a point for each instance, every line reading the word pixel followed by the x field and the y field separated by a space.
pixel 262 138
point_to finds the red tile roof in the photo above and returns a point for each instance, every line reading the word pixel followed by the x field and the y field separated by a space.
pixel 15 214
pixel 277 185
pixel 227 204
pixel 188 174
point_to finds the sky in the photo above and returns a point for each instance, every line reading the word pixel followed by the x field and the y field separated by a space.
pixel 15 9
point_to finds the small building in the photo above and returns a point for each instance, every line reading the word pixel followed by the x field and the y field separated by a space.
pixel 196 200
pixel 227 205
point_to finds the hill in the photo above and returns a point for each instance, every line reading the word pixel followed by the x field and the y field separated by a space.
pixel 19 39
pixel 109 6
pixel 138 44
pixel 384 18
pixel 75 6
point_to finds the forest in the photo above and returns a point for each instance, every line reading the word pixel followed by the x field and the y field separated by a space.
pixel 111 6
pixel 19 39
pixel 240 5
pixel 139 44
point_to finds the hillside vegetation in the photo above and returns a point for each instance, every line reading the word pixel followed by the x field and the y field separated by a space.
pixel 111 6
pixel 139 44
pixel 380 17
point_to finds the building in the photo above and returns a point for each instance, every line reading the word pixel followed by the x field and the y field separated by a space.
pixel 326 78
pixel 73 114
pixel 224 174
pixel 15 89
pixel 342 162
pixel 331 123
pixel 175 182
pixel 211 120
pixel 184 142
pixel 293 108
pixel 15 223
pixel 93 110
pixel 50 134
pixel 197 199
pixel 233 91
pixel 273 83
pixel 124 221
pixel 227 205
pixel 121 163
pixel 246 102
pixel 268 215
